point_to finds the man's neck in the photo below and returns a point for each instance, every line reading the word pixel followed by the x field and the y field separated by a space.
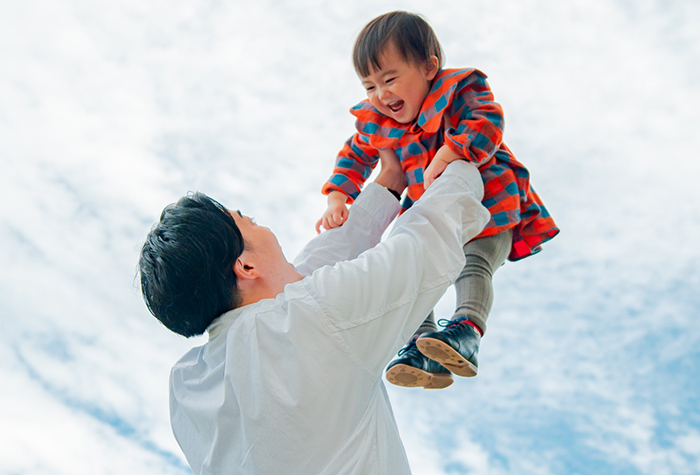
pixel 269 288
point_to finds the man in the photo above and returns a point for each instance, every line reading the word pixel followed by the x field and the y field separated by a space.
pixel 290 379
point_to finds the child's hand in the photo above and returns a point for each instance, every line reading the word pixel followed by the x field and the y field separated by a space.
pixel 443 157
pixel 336 213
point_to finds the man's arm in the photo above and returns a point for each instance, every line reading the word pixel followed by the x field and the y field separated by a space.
pixel 375 302
pixel 374 210
pixel 369 217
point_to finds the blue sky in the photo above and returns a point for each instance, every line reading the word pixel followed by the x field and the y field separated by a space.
pixel 111 110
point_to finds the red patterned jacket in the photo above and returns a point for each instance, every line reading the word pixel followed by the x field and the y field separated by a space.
pixel 460 112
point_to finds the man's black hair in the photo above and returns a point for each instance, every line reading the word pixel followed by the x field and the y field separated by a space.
pixel 186 264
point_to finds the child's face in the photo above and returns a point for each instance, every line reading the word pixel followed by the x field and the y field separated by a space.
pixel 399 88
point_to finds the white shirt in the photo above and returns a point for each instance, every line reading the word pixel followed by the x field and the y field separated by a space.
pixel 293 385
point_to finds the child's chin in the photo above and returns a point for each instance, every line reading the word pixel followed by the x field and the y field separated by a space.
pixel 403 120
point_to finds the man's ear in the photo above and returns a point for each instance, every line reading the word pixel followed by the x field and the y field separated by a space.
pixel 245 269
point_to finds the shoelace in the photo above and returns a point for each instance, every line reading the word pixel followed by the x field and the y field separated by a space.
pixel 454 330
pixel 408 347
pixel 452 326
pixel 445 323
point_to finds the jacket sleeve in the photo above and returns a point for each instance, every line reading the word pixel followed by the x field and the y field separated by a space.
pixel 476 121
pixel 369 217
pixel 353 166
pixel 374 303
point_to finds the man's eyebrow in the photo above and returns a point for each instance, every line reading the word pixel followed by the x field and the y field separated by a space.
pixel 239 213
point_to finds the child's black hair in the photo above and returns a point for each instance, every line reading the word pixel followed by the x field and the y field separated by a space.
pixel 412 36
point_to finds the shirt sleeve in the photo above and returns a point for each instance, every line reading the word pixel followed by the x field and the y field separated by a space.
pixel 374 303
pixel 353 166
pixel 369 217
pixel 477 123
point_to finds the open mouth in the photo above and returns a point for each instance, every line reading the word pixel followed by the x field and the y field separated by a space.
pixel 395 106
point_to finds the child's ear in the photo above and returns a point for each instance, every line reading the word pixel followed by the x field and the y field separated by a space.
pixel 431 67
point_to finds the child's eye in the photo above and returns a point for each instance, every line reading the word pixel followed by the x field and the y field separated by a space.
pixel 369 88
pixel 389 80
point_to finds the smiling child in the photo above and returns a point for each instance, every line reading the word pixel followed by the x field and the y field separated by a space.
pixel 429 117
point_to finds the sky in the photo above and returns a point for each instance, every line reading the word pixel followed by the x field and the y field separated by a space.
pixel 111 110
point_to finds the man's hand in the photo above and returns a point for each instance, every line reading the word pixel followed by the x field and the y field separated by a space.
pixel 391 175
pixel 443 157
pixel 336 213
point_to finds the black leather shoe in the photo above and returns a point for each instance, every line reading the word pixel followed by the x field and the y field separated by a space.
pixel 456 347
pixel 413 370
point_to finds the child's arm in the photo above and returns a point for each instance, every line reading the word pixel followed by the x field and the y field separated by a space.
pixel 336 213
pixel 475 122
pixel 478 130
pixel 353 166
pixel 443 157
pixel 390 176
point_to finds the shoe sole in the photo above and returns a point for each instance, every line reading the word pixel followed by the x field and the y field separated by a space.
pixel 438 350
pixel 411 377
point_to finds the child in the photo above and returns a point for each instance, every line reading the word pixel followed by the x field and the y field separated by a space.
pixel 429 117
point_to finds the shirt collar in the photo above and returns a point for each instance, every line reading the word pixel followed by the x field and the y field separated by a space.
pixel 223 322
pixel 372 122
